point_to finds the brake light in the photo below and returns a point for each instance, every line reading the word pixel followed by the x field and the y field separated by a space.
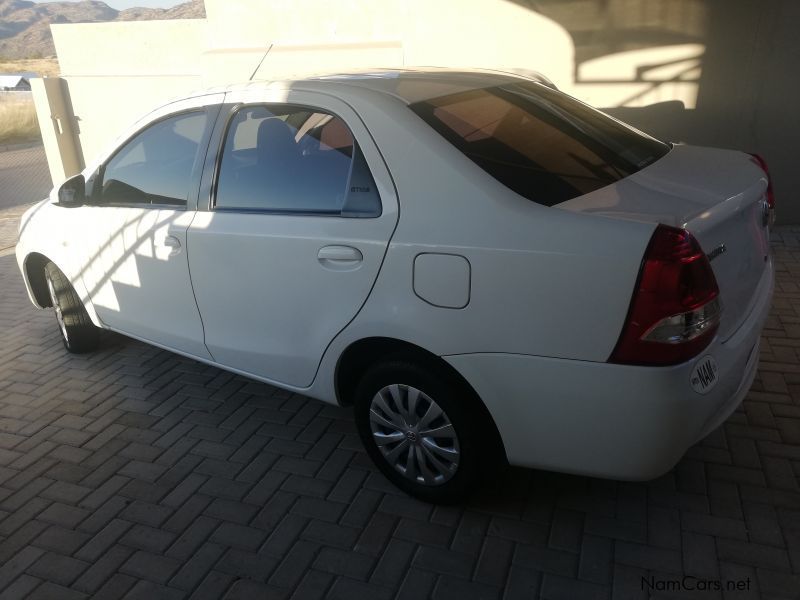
pixel 759 160
pixel 675 310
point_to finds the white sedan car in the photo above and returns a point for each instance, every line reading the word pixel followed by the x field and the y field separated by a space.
pixel 485 268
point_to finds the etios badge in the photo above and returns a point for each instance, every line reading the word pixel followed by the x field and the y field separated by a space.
pixel 704 375
pixel 721 249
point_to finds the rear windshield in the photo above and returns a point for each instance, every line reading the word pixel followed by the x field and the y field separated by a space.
pixel 541 143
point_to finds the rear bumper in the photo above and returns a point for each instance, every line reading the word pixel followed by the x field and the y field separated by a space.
pixel 614 421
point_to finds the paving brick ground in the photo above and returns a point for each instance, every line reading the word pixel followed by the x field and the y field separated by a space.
pixel 24 176
pixel 24 179
pixel 133 472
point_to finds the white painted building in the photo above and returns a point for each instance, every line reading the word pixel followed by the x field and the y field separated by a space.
pixel 17 82
pixel 701 71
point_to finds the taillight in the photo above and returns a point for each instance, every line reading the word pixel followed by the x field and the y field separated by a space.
pixel 759 160
pixel 675 310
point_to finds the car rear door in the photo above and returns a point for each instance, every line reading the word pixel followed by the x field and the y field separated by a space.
pixel 300 211
pixel 132 234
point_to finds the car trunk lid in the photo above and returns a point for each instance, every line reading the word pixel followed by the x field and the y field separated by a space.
pixel 718 196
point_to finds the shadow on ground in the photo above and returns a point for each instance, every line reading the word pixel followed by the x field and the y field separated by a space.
pixel 136 471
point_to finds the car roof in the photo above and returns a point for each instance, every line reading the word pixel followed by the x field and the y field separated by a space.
pixel 409 84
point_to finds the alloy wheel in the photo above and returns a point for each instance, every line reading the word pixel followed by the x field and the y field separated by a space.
pixel 57 308
pixel 414 434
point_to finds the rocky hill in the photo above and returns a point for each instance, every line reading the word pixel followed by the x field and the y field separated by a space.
pixel 25 26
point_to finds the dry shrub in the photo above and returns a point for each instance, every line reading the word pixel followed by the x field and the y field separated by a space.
pixel 18 121
pixel 44 67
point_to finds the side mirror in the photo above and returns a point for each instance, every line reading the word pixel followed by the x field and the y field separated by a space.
pixel 72 192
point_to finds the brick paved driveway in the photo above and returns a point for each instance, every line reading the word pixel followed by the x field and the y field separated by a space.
pixel 24 179
pixel 136 473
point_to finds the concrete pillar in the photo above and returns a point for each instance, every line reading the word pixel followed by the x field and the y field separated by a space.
pixel 59 127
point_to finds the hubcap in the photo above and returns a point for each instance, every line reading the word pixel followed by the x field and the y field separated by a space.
pixel 57 308
pixel 414 434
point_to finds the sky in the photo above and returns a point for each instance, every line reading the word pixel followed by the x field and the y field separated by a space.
pixel 120 4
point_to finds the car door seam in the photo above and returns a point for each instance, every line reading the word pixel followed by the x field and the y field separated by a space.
pixel 388 242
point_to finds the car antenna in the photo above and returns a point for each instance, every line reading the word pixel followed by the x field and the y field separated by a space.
pixel 261 62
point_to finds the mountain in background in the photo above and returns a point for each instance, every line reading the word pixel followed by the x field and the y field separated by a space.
pixel 25 26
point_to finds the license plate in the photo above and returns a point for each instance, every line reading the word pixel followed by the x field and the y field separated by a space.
pixel 704 375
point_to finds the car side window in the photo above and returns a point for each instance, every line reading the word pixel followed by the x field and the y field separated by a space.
pixel 156 166
pixel 294 159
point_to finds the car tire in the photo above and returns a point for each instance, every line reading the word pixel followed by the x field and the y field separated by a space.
pixel 78 333
pixel 439 469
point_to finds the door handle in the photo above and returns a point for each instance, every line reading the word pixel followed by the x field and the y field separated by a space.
pixel 340 257
pixel 172 242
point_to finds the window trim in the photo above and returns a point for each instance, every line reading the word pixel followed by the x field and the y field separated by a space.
pixel 197 170
pixel 217 166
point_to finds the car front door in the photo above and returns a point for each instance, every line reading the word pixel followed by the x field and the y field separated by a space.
pixel 141 201
pixel 298 221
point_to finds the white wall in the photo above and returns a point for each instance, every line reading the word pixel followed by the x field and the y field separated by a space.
pixel 114 72
pixel 729 84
